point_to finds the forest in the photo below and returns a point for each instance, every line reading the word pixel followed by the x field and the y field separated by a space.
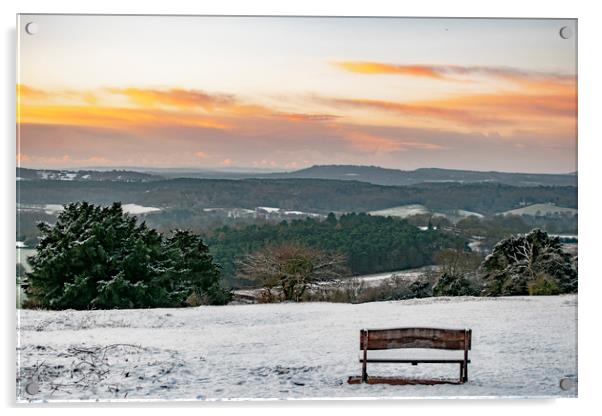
pixel 370 244
pixel 314 195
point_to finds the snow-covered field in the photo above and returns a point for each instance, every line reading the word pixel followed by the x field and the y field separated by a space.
pixel 53 209
pixel 136 209
pixel 522 346
pixel 402 211
pixel 541 209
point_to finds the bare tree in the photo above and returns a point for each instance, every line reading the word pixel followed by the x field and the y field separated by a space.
pixel 458 262
pixel 290 269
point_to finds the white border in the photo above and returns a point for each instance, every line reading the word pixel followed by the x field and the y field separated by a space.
pixel 590 136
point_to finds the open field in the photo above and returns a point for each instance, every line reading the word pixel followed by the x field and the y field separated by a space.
pixel 522 346
pixel 542 209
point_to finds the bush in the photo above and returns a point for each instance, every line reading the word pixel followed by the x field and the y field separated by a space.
pixel 100 258
pixel 454 285
pixel 544 286
pixel 421 288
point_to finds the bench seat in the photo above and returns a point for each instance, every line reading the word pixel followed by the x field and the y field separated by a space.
pixel 413 361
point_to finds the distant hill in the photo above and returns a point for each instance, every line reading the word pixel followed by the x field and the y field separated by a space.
pixel 307 195
pixel 539 210
pixel 25 174
pixel 370 174
pixel 383 176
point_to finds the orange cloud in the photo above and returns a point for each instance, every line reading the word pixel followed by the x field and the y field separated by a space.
pixel 175 97
pixel 381 68
pixel 426 110
pixel 505 110
pixel 306 117
pixel 450 72
pixel 111 117
pixel 24 91
pixel 152 107
pixel 513 105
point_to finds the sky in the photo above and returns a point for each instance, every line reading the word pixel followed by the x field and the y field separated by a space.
pixel 288 93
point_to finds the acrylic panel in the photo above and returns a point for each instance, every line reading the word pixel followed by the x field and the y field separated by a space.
pixel 237 207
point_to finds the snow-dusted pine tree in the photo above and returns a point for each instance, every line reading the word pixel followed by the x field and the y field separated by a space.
pixel 534 263
pixel 100 258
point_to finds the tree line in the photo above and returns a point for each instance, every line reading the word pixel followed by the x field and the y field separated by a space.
pixel 370 244
pixel 97 257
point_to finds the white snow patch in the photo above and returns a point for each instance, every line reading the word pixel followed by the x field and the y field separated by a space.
pixel 575 236
pixel 52 209
pixel 138 209
pixel 402 211
pixel 269 209
pixel 409 275
pixel 67 176
pixel 541 210
pixel 464 213
pixel 405 211
pixel 522 346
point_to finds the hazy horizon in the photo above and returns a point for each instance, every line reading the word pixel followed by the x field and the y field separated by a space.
pixel 250 169
pixel 289 93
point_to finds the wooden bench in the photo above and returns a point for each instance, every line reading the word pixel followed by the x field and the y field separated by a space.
pixel 384 339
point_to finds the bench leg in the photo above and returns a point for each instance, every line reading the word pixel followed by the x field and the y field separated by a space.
pixel 461 372
pixel 364 373
pixel 465 372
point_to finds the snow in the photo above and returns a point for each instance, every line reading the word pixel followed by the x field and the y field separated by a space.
pixel 574 236
pixel 541 209
pixel 402 211
pixel 464 213
pixel 408 274
pixel 20 244
pixel 68 176
pixel 522 346
pixel 138 209
pixel 405 211
pixel 52 209
pixel 307 214
pixel 269 209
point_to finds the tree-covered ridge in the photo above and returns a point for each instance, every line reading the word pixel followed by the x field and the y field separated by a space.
pixel 309 195
pixel 384 176
pixel 371 244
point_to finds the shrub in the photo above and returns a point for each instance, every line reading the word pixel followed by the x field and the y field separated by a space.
pixel 544 285
pixel 454 285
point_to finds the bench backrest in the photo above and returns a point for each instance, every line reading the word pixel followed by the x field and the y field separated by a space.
pixel 445 339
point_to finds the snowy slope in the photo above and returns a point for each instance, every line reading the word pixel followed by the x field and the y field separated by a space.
pixel 522 346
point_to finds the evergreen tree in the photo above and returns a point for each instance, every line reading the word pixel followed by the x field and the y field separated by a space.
pixel 99 257
pixel 526 261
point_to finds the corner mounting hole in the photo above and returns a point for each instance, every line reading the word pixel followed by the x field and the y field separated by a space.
pixel 32 388
pixel 32 28
pixel 567 384
pixel 565 32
